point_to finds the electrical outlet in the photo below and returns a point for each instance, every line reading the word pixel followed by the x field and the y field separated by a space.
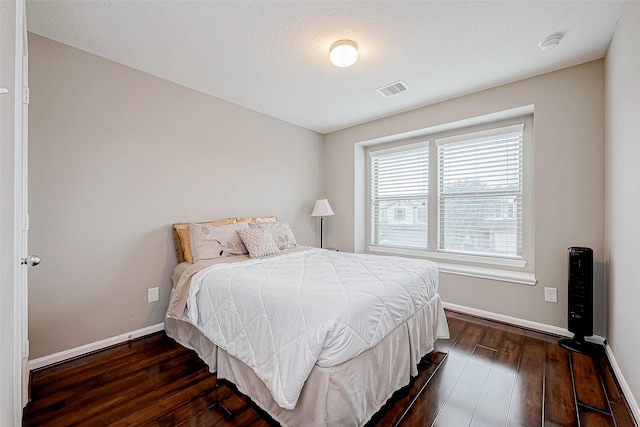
pixel 551 294
pixel 153 294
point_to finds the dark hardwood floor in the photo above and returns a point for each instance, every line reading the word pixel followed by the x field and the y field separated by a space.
pixel 487 374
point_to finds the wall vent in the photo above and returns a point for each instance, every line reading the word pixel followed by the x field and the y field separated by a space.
pixel 393 89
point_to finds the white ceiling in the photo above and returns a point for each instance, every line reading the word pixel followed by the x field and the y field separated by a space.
pixel 273 56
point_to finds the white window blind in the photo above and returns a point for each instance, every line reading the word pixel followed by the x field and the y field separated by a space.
pixel 480 184
pixel 399 196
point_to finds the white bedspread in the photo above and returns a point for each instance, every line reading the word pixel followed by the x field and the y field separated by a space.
pixel 282 315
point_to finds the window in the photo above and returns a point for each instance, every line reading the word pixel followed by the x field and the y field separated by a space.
pixel 480 187
pixel 399 214
pixel 399 185
pixel 469 207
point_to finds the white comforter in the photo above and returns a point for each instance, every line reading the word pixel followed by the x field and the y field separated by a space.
pixel 282 315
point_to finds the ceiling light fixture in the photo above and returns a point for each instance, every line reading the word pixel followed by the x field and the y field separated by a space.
pixel 344 53
pixel 550 42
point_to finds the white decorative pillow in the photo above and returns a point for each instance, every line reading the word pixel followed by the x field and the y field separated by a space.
pixel 258 242
pixel 280 232
pixel 216 241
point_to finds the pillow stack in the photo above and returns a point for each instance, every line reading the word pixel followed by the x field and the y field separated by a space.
pixel 258 237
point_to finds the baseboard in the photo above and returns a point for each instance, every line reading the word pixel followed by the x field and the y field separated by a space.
pixel 42 362
pixel 626 390
pixel 542 327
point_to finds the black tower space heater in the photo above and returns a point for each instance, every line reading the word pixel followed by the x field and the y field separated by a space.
pixel 580 265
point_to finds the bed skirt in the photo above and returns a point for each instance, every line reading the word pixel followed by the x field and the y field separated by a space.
pixel 348 394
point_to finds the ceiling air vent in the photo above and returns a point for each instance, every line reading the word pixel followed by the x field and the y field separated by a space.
pixel 393 89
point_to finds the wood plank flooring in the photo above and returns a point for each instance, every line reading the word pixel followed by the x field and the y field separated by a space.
pixel 488 374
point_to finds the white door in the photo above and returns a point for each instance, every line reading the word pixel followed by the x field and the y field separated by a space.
pixel 22 206
pixel 14 372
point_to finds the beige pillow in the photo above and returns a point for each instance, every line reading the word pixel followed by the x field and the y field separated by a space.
pixel 182 229
pixel 256 220
pixel 259 242
pixel 216 241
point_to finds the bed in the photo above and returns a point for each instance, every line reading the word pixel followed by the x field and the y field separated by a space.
pixel 314 337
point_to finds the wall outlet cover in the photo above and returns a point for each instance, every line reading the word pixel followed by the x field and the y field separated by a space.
pixel 551 294
pixel 153 294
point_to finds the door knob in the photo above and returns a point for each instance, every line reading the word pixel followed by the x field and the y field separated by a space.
pixel 31 260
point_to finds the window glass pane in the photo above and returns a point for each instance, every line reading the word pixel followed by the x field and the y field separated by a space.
pixel 482 225
pixel 480 185
pixel 399 194
pixel 404 230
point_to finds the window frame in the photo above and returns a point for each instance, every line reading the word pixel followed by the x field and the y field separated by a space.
pixel 518 270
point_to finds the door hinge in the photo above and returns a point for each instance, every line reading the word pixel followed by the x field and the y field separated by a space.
pixel 25 349
pixel 25 222
pixel 25 97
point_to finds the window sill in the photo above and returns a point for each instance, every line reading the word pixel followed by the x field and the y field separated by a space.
pixel 519 277
pixel 491 272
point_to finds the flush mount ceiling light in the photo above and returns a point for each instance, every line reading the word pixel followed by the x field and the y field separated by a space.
pixel 550 42
pixel 343 53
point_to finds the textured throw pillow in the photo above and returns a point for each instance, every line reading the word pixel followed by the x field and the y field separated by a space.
pixel 216 241
pixel 259 242
pixel 280 232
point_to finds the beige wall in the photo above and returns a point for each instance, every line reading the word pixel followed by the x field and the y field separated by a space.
pixel 622 104
pixel 116 156
pixel 569 185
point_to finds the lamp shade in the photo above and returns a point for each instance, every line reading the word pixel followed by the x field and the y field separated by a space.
pixel 322 208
